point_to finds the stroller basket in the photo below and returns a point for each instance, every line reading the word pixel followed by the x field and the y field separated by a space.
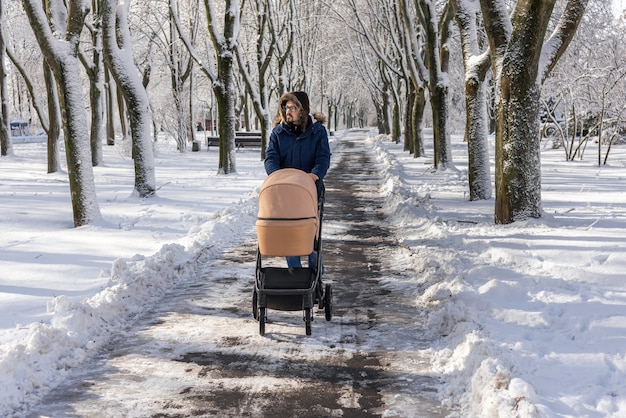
pixel 288 217
pixel 287 289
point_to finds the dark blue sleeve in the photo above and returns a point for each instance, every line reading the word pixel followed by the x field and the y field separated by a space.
pixel 272 155
pixel 322 153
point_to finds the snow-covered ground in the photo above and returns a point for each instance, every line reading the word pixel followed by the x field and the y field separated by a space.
pixel 530 318
pixel 532 315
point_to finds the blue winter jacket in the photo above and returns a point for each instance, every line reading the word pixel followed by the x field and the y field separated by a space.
pixel 308 151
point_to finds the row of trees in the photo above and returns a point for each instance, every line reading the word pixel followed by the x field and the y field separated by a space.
pixel 58 28
pixel 514 49
pixel 164 64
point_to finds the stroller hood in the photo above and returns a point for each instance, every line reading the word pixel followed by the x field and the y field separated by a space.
pixel 288 217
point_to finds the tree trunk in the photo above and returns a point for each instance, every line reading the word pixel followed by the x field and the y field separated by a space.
pixel 381 106
pixel 439 108
pixel 118 56
pixel 177 80
pixel 417 115
pixel 477 140
pixel 396 121
pixel 110 108
pixel 5 134
pixel 55 120
pixel 518 169
pixel 95 94
pixel 476 64
pixel 191 126
pixel 62 56
pixel 224 85
pixel 180 104
pixel 436 61
pixel 409 131
pixel 121 109
pixel 516 55
pixel 95 100
pixel 77 151
pixel 225 97
pixel 384 109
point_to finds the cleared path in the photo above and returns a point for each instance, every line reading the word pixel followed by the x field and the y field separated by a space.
pixel 199 352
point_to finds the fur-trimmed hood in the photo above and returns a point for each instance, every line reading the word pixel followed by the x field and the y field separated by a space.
pixel 304 114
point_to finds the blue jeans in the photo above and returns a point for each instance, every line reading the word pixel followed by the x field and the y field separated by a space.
pixel 296 262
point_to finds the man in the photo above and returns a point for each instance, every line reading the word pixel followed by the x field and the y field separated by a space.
pixel 299 141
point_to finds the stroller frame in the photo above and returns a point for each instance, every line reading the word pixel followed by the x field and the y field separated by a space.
pixel 292 289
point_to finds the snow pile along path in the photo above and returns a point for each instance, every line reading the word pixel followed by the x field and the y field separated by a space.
pixel 77 330
pixel 529 317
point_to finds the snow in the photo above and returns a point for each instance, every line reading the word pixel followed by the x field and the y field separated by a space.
pixel 528 319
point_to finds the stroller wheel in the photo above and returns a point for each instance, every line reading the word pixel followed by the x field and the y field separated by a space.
pixel 262 321
pixel 307 320
pixel 328 302
pixel 255 305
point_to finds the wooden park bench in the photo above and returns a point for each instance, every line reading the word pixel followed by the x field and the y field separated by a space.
pixel 242 139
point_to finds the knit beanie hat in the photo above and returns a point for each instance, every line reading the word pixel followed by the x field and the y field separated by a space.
pixel 303 98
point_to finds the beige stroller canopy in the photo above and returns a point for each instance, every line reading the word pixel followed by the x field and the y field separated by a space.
pixel 288 219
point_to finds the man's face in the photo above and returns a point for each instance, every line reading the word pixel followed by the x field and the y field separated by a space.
pixel 292 113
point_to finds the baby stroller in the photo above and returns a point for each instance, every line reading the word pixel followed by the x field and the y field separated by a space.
pixel 289 224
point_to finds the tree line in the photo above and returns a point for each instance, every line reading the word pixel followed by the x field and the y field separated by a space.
pixel 141 68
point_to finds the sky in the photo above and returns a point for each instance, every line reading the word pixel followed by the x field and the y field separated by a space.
pixel 527 319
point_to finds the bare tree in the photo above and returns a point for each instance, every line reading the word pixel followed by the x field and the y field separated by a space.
pixel 517 49
pixel 62 56
pixel 118 57
pixel 436 32
pixel 51 121
pixel 224 45
pixel 284 37
pixel 417 51
pixel 93 68
pixel 417 76
pixel 583 96
pixel 379 32
pixel 381 85
pixel 427 33
pixel 180 65
pixel 268 25
pixel 310 17
pixel 30 86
